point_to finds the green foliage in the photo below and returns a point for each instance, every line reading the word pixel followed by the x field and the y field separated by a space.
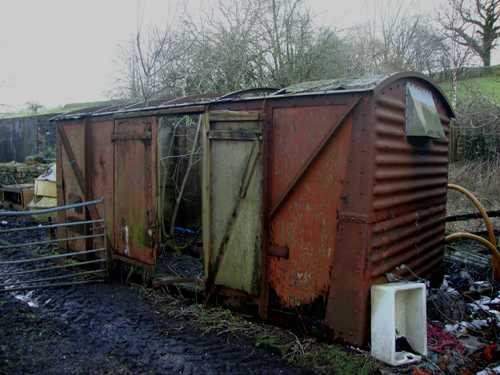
pixel 487 85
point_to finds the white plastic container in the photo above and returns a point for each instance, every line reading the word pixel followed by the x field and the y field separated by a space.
pixel 398 309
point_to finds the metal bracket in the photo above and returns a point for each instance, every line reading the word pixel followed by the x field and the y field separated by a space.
pixel 356 218
pixel 234 136
pixel 295 180
pixel 279 251
pixel 130 137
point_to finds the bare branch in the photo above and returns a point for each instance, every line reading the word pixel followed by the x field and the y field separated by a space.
pixel 477 25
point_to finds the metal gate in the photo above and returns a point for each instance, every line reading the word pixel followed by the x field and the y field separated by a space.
pixel 34 250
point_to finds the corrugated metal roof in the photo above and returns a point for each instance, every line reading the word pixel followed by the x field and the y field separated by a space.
pixel 117 107
pixel 364 83
pixel 128 105
pixel 327 85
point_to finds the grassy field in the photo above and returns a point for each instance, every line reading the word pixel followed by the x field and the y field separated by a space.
pixel 488 84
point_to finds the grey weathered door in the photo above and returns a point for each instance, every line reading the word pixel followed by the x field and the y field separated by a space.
pixel 232 199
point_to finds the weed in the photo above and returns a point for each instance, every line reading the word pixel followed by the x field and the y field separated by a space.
pixel 306 352
pixel 333 359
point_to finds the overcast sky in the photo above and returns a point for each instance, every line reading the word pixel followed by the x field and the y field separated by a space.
pixel 60 51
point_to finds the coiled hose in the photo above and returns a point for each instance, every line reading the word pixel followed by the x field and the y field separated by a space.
pixel 491 243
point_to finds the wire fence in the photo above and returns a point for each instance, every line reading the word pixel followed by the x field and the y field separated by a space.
pixel 475 134
pixel 474 143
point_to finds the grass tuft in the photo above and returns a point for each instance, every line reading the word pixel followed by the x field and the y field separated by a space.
pixel 305 351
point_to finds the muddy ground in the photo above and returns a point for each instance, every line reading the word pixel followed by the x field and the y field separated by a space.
pixel 112 329
pixel 108 328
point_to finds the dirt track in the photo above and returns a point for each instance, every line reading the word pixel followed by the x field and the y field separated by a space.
pixel 111 328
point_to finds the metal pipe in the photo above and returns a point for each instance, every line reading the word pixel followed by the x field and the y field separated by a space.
pixel 62 277
pixel 107 254
pixel 482 211
pixel 52 241
pixel 50 210
pixel 230 138
pixel 65 255
pixel 29 287
pixel 54 267
pixel 471 216
pixel 50 226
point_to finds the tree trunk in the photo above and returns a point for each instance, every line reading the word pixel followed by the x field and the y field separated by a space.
pixel 486 57
pixel 454 87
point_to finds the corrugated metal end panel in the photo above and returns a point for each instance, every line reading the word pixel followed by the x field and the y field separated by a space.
pixel 409 196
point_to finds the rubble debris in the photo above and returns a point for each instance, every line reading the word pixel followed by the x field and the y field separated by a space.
pixel 45 192
pixel 16 197
pixel 20 173
pixel 445 304
pixel 463 318
pixel 472 258
pixel 440 340
pixel 490 371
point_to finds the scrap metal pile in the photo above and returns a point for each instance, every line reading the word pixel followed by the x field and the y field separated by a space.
pixel 463 317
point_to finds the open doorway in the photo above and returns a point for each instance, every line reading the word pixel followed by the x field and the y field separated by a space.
pixel 179 200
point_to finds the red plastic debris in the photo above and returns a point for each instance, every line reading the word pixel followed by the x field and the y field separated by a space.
pixel 489 352
pixel 440 341
pixel 421 371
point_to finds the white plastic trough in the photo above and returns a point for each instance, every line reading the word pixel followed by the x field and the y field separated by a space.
pixel 398 309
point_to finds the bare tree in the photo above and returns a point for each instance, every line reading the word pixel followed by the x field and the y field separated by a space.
pixel 287 40
pixel 393 41
pixel 327 56
pixel 477 25
pixel 455 56
pixel 409 41
pixel 155 54
pixel 365 50
pixel 33 107
pixel 147 64
pixel 224 55
pixel 251 43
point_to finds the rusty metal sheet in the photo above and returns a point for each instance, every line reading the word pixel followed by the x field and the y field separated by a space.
pixel 409 199
pixel 72 192
pixel 365 83
pixel 306 221
pixel 100 161
pixel 393 207
pixel 332 222
pixel 134 213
